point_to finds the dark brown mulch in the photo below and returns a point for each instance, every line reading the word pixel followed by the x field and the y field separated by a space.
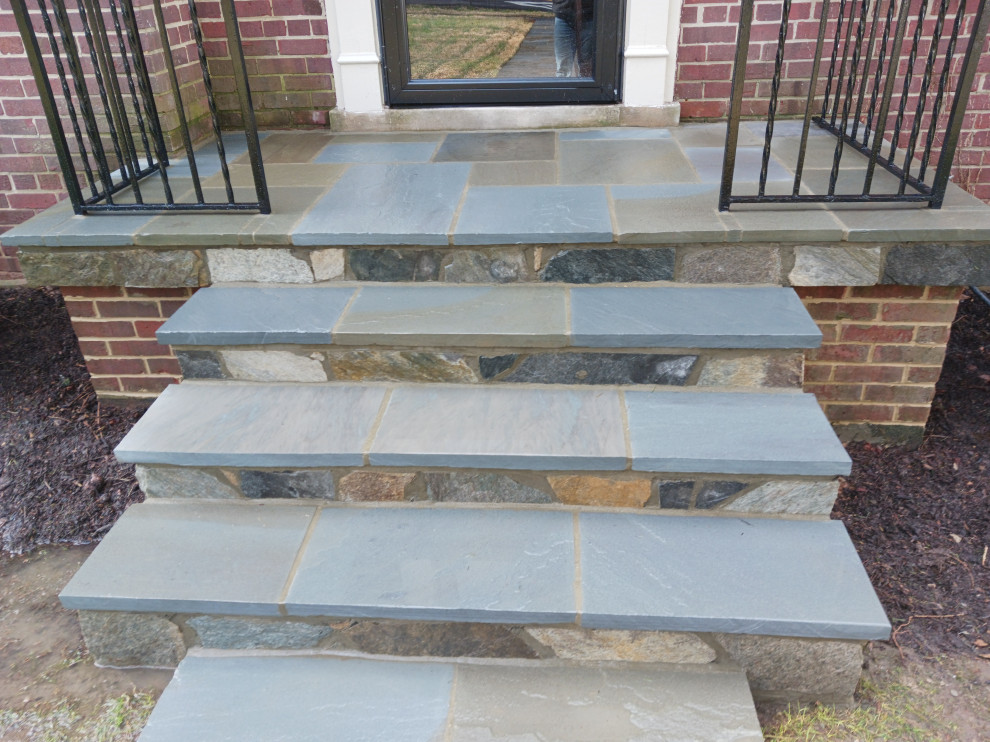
pixel 921 518
pixel 59 481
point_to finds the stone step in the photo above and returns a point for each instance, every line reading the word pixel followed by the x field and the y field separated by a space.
pixel 708 336
pixel 548 429
pixel 633 572
pixel 254 698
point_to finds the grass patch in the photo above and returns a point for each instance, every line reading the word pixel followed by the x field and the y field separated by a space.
pixel 897 711
pixel 120 719
pixel 460 43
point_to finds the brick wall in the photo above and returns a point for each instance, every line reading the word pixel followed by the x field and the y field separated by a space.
pixel 707 48
pixel 116 330
pixel 881 354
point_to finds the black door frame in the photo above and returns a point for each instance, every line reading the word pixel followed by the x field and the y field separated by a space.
pixel 400 90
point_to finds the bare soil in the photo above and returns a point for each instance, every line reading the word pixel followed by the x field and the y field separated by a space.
pixel 920 519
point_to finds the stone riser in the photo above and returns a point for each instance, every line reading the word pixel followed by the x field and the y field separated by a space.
pixel 778 668
pixel 700 369
pixel 681 493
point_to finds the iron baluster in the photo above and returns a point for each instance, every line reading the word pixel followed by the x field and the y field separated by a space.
pixel 866 70
pixel 130 81
pixel 67 94
pixel 847 103
pixel 774 88
pixel 943 81
pixel 981 22
pixel 845 57
pixel 835 52
pixel 885 38
pixel 211 102
pixel 735 105
pixel 147 95
pixel 812 88
pixel 908 75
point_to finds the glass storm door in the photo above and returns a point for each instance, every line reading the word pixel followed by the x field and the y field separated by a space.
pixel 446 52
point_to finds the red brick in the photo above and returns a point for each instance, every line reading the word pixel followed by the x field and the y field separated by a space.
pixel 952 293
pixel 909 354
pixel 159 293
pixel 924 374
pixel 115 366
pixel 913 414
pixel 103 329
pixel 869 373
pixel 106 384
pixel 842 353
pixel 143 348
pixel 820 292
pixel 937 335
pixel 899 393
pixel 818 372
pixel 147 328
pixel 876 334
pixel 842 310
pixel 93 348
pixel 155 384
pixel 171 307
pixel 80 308
pixel 859 413
pixel 94 292
pixel 128 309
pixel 168 366
pixel 926 311
pixel 887 292
pixel 830 332
pixel 836 392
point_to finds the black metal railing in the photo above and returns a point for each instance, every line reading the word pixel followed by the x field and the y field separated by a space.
pixel 136 94
pixel 888 86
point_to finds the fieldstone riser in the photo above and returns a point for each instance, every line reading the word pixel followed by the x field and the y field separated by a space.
pixel 765 496
pixel 695 368
pixel 778 668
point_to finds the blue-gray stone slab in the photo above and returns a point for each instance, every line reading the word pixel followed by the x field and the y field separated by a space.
pixel 732 433
pixel 382 152
pixel 463 565
pixel 254 426
pixel 504 215
pixel 623 133
pixel 525 315
pixel 707 162
pixel 753 576
pixel 233 315
pixel 302 699
pixel 387 205
pixel 193 558
pixel 729 317
pixel 501 428
pixel 258 698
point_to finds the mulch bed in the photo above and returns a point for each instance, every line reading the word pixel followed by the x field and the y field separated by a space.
pixel 59 481
pixel 920 518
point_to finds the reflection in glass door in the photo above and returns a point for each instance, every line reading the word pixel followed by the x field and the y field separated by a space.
pixel 501 51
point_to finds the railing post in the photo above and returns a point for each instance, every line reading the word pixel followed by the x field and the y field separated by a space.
pixel 963 88
pixel 33 51
pixel 247 107
pixel 735 104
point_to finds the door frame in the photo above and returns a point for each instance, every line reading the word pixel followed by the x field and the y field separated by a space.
pixel 401 90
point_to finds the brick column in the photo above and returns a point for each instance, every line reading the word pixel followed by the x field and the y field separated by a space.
pixel 116 330
pixel 881 354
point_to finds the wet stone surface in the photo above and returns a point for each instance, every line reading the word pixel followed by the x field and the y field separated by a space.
pixel 287 484
pixel 604 265
pixel 200 364
pixel 602 368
